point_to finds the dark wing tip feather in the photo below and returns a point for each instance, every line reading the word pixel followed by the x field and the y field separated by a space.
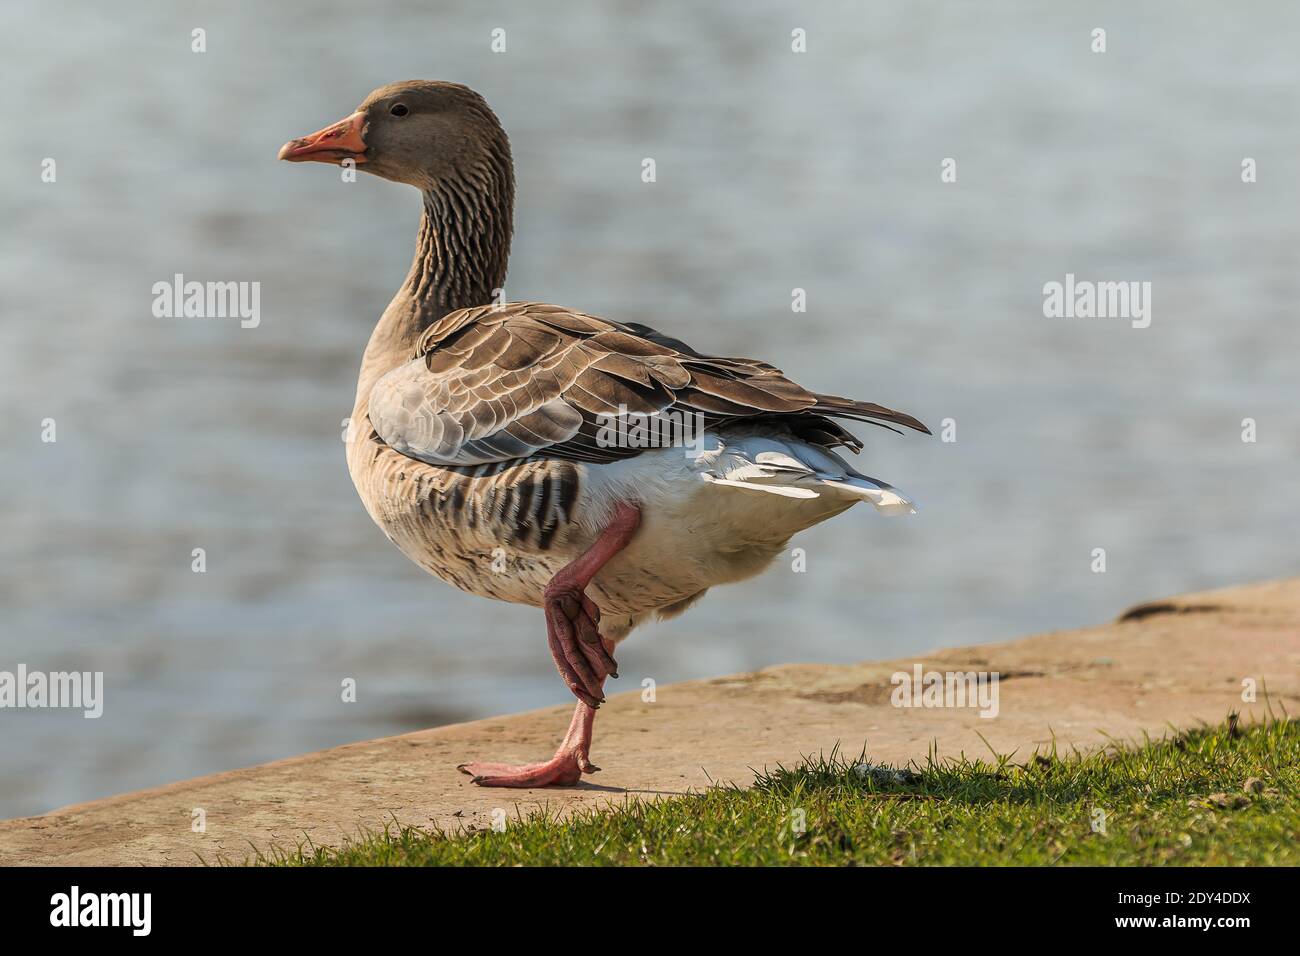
pixel 838 407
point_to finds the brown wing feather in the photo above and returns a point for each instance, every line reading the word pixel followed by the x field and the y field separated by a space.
pixel 502 382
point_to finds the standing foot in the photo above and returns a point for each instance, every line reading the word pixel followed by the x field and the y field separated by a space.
pixel 562 770
pixel 565 769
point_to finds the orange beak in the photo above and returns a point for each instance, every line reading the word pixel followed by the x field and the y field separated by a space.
pixel 333 144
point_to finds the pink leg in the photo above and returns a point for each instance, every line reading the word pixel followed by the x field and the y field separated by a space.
pixel 565 769
pixel 583 658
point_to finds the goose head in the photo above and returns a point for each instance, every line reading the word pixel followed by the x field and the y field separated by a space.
pixel 427 134
pixel 443 139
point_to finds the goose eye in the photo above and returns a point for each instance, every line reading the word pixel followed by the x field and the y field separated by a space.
pixel 399 110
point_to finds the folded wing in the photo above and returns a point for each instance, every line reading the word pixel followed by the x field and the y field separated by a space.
pixel 497 383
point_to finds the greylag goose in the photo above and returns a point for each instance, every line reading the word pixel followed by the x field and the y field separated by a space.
pixel 511 448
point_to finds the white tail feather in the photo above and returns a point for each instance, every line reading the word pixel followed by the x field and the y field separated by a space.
pixel 795 469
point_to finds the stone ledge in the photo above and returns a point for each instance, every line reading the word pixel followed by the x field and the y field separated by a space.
pixel 1170 663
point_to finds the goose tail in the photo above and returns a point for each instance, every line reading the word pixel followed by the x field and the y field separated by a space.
pixel 795 469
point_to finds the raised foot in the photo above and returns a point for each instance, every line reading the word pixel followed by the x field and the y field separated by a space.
pixel 573 632
pixel 562 770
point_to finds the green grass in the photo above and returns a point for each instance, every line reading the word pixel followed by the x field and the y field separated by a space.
pixel 1225 795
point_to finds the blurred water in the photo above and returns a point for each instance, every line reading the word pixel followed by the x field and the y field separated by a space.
pixel 775 170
